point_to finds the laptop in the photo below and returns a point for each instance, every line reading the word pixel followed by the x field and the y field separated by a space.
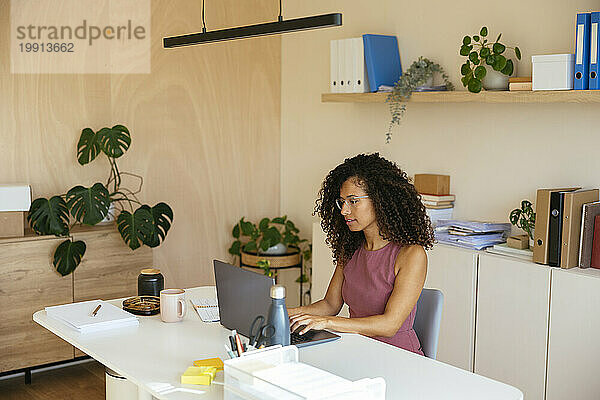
pixel 242 295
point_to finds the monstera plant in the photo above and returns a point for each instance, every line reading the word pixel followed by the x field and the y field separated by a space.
pixel 139 224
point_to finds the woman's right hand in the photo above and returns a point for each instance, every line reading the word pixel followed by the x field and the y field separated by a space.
pixel 294 311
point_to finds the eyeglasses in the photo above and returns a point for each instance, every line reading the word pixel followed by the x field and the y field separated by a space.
pixel 350 201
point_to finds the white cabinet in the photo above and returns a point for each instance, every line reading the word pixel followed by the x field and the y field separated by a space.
pixel 574 342
pixel 454 272
pixel 512 323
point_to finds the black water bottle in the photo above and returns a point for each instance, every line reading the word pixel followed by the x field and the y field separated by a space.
pixel 278 317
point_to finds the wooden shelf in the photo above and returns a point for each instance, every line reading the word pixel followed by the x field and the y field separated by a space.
pixel 559 96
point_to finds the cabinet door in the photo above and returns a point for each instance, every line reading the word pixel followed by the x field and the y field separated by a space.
pixel 512 323
pixel 109 268
pixel 28 283
pixel 574 348
pixel 454 272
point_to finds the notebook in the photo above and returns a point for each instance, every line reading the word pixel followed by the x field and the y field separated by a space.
pixel 79 316
pixel 207 309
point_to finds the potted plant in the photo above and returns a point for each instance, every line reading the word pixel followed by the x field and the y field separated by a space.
pixel 524 218
pixel 420 74
pixel 273 243
pixel 143 225
pixel 481 53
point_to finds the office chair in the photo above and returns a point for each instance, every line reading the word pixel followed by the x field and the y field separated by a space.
pixel 428 319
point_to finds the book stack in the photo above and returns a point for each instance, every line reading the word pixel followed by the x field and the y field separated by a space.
pixel 471 234
pixel 438 207
pixel 92 316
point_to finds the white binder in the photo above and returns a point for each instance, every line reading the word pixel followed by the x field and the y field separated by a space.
pixel 334 60
pixel 348 65
pixel 360 82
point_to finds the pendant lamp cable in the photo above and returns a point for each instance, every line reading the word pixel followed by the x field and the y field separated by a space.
pixel 203 22
pixel 280 18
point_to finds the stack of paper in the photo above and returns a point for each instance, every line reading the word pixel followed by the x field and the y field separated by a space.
pixel 79 316
pixel 471 234
pixel 523 254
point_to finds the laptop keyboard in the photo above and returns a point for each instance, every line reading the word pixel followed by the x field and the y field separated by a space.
pixel 296 338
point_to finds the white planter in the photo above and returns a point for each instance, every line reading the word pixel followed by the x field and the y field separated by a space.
pixel 110 217
pixel 278 249
pixel 495 80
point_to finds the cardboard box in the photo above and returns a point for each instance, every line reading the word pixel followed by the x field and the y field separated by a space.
pixel 432 184
pixel 12 224
pixel 518 241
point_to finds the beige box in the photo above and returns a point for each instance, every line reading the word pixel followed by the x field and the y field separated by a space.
pixel 12 224
pixel 518 241
pixel 432 184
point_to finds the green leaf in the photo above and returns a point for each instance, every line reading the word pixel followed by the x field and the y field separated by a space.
pixel 483 31
pixel 273 235
pixel 264 245
pixel 480 72
pixel 490 59
pixel 67 256
pixel 279 220
pixel 498 48
pixel 250 246
pixel 88 205
pixel 88 146
pixel 508 68
pixel 236 231
pixel 135 227
pixel 498 38
pixel 474 85
pixel 465 50
pixel 484 52
pixel 518 53
pixel 476 38
pixel 159 225
pixel 49 217
pixel 291 226
pixel 467 40
pixel 247 227
pixel 465 79
pixel 465 68
pixel 114 141
pixel 474 58
pixel 235 248
pixel 514 216
pixel 263 224
pixel 500 62
pixel 302 279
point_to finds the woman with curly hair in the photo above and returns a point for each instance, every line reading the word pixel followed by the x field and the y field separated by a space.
pixel 378 230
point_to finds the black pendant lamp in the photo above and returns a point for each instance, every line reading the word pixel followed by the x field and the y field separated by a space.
pixel 241 32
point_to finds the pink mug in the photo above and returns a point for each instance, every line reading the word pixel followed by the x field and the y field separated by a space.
pixel 172 305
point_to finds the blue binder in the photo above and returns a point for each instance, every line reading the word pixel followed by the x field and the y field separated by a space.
pixel 594 51
pixel 383 60
pixel 582 52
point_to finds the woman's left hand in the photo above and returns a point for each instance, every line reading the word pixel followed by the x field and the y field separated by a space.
pixel 306 322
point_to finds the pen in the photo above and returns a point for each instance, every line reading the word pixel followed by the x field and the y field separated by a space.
pixel 229 352
pixel 233 345
pixel 96 310
pixel 238 342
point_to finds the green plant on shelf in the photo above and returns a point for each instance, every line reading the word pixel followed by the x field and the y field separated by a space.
pixel 524 217
pixel 418 74
pixel 481 53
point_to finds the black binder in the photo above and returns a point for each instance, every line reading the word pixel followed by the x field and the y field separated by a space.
pixel 555 228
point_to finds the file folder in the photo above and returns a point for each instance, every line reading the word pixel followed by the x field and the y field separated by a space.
pixel 348 65
pixel 571 225
pixel 542 219
pixel 383 60
pixel 588 214
pixel 582 52
pixel 359 72
pixel 555 221
pixel 334 60
pixel 594 81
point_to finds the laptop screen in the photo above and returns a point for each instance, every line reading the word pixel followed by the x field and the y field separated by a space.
pixel 242 295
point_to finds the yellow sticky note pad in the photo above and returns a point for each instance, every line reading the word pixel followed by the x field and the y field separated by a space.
pixel 210 362
pixel 199 375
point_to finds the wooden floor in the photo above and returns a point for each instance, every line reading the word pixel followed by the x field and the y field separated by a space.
pixel 82 381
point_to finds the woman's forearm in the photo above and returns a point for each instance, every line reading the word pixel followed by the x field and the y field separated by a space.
pixel 321 307
pixel 376 325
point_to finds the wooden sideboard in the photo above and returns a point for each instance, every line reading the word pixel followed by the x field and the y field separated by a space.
pixel 29 282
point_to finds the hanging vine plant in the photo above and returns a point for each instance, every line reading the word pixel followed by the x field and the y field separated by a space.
pixel 418 74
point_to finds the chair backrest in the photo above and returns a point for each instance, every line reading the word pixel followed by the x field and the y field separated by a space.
pixel 428 319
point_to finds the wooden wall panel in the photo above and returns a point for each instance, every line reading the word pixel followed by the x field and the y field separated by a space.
pixel 205 127
pixel 28 283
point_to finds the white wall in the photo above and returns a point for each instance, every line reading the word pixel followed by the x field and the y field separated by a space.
pixel 496 154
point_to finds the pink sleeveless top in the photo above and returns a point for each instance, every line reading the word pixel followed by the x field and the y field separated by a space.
pixel 368 283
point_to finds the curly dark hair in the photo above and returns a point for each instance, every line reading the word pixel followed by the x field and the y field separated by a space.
pixel 399 212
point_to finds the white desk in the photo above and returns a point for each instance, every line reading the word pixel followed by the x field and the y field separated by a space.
pixel 156 352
